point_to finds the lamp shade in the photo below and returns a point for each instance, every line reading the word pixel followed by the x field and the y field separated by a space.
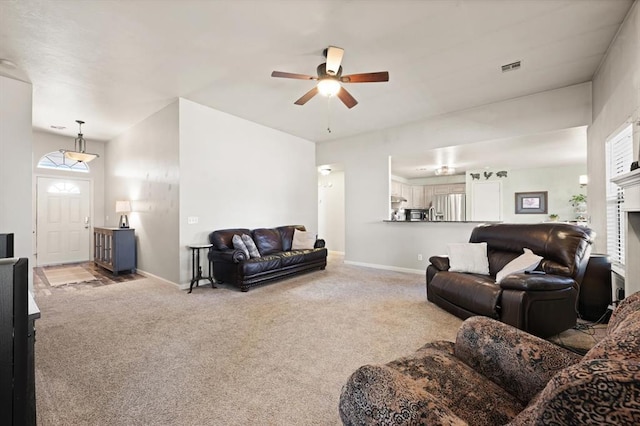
pixel 328 86
pixel 83 157
pixel 79 154
pixel 123 206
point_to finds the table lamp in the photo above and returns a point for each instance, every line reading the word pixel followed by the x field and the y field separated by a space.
pixel 123 207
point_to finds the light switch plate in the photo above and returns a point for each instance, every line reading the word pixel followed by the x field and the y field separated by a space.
pixel 191 220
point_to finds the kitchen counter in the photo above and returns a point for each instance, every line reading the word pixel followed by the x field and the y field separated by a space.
pixel 440 221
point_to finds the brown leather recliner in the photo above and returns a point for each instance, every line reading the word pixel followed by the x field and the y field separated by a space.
pixel 543 304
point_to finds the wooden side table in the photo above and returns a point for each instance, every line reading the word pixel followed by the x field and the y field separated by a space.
pixel 196 268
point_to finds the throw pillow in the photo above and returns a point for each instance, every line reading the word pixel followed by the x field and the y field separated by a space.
pixel 251 246
pixel 525 262
pixel 240 245
pixel 468 257
pixel 303 240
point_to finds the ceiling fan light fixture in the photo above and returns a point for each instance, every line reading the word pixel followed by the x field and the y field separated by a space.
pixel 79 154
pixel 328 87
pixel 325 170
pixel 445 170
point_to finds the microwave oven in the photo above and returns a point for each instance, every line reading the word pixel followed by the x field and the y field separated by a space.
pixel 415 214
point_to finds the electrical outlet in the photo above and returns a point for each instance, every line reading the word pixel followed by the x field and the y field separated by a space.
pixel 191 220
pixel 420 257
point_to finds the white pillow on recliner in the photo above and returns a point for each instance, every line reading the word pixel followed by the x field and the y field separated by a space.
pixel 468 257
pixel 525 262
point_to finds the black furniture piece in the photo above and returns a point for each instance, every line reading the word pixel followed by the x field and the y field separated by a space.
pixel 6 245
pixel 196 267
pixel 115 249
pixel 17 341
pixel 543 304
pixel 277 258
pixel 595 290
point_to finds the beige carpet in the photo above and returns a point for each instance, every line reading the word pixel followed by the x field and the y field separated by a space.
pixel 145 353
pixel 67 275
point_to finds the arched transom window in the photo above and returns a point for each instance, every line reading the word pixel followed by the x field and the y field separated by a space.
pixel 56 160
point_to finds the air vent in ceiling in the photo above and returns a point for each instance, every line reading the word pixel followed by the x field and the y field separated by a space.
pixel 511 67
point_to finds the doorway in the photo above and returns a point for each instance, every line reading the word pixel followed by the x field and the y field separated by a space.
pixel 63 220
pixel 331 208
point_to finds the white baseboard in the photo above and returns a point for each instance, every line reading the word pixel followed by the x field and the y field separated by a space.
pixel 386 267
pixel 150 275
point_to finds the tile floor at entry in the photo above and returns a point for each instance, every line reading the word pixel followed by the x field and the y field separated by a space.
pixel 43 288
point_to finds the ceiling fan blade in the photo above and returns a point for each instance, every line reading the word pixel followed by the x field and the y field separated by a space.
pixel 346 98
pixel 367 77
pixel 334 59
pixel 305 98
pixel 282 74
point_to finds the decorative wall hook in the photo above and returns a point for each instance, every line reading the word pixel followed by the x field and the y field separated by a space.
pixel 487 175
pixel 475 176
pixel 501 174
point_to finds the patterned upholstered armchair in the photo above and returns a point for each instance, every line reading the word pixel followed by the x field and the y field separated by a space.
pixel 495 374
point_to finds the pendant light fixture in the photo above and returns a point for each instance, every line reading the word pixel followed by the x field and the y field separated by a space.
pixel 79 153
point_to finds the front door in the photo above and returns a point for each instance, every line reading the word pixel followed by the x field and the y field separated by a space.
pixel 63 223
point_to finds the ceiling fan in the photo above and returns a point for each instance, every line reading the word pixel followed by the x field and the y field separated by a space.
pixel 330 76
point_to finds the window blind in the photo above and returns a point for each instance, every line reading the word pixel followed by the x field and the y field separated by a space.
pixel 619 151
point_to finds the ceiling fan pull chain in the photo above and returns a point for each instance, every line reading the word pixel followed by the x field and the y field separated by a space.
pixel 329 114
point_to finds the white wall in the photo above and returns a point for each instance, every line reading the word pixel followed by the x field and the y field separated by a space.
pixel 16 207
pixel 560 183
pixel 236 173
pixel 366 164
pixel 331 210
pixel 616 102
pixel 142 165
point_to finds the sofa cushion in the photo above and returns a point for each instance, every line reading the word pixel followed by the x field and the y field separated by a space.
pixel 475 293
pixel 286 234
pixel 222 239
pixel 468 257
pixel 628 305
pixel 429 387
pixel 268 240
pixel 622 344
pixel 240 245
pixel 564 247
pixel 592 392
pixel 251 246
pixel 257 265
pixel 303 240
pixel 295 257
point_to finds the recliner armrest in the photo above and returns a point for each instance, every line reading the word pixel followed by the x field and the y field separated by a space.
pixel 229 256
pixel 536 282
pixel 319 243
pixel 517 361
pixel 441 263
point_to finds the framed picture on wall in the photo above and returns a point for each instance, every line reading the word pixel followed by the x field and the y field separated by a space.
pixel 531 202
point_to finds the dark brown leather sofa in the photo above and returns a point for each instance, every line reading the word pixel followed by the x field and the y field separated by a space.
pixel 541 304
pixel 277 259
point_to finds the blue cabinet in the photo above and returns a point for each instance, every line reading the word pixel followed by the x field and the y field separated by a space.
pixel 115 249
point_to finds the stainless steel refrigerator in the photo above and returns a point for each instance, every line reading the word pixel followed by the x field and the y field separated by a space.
pixel 450 207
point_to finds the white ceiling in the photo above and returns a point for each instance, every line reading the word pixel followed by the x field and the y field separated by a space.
pixel 113 63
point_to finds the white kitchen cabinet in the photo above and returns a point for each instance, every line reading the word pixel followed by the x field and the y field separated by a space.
pixel 407 193
pixel 417 197
pixel 457 188
pixel 396 188
pixel 428 195
pixel 440 189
